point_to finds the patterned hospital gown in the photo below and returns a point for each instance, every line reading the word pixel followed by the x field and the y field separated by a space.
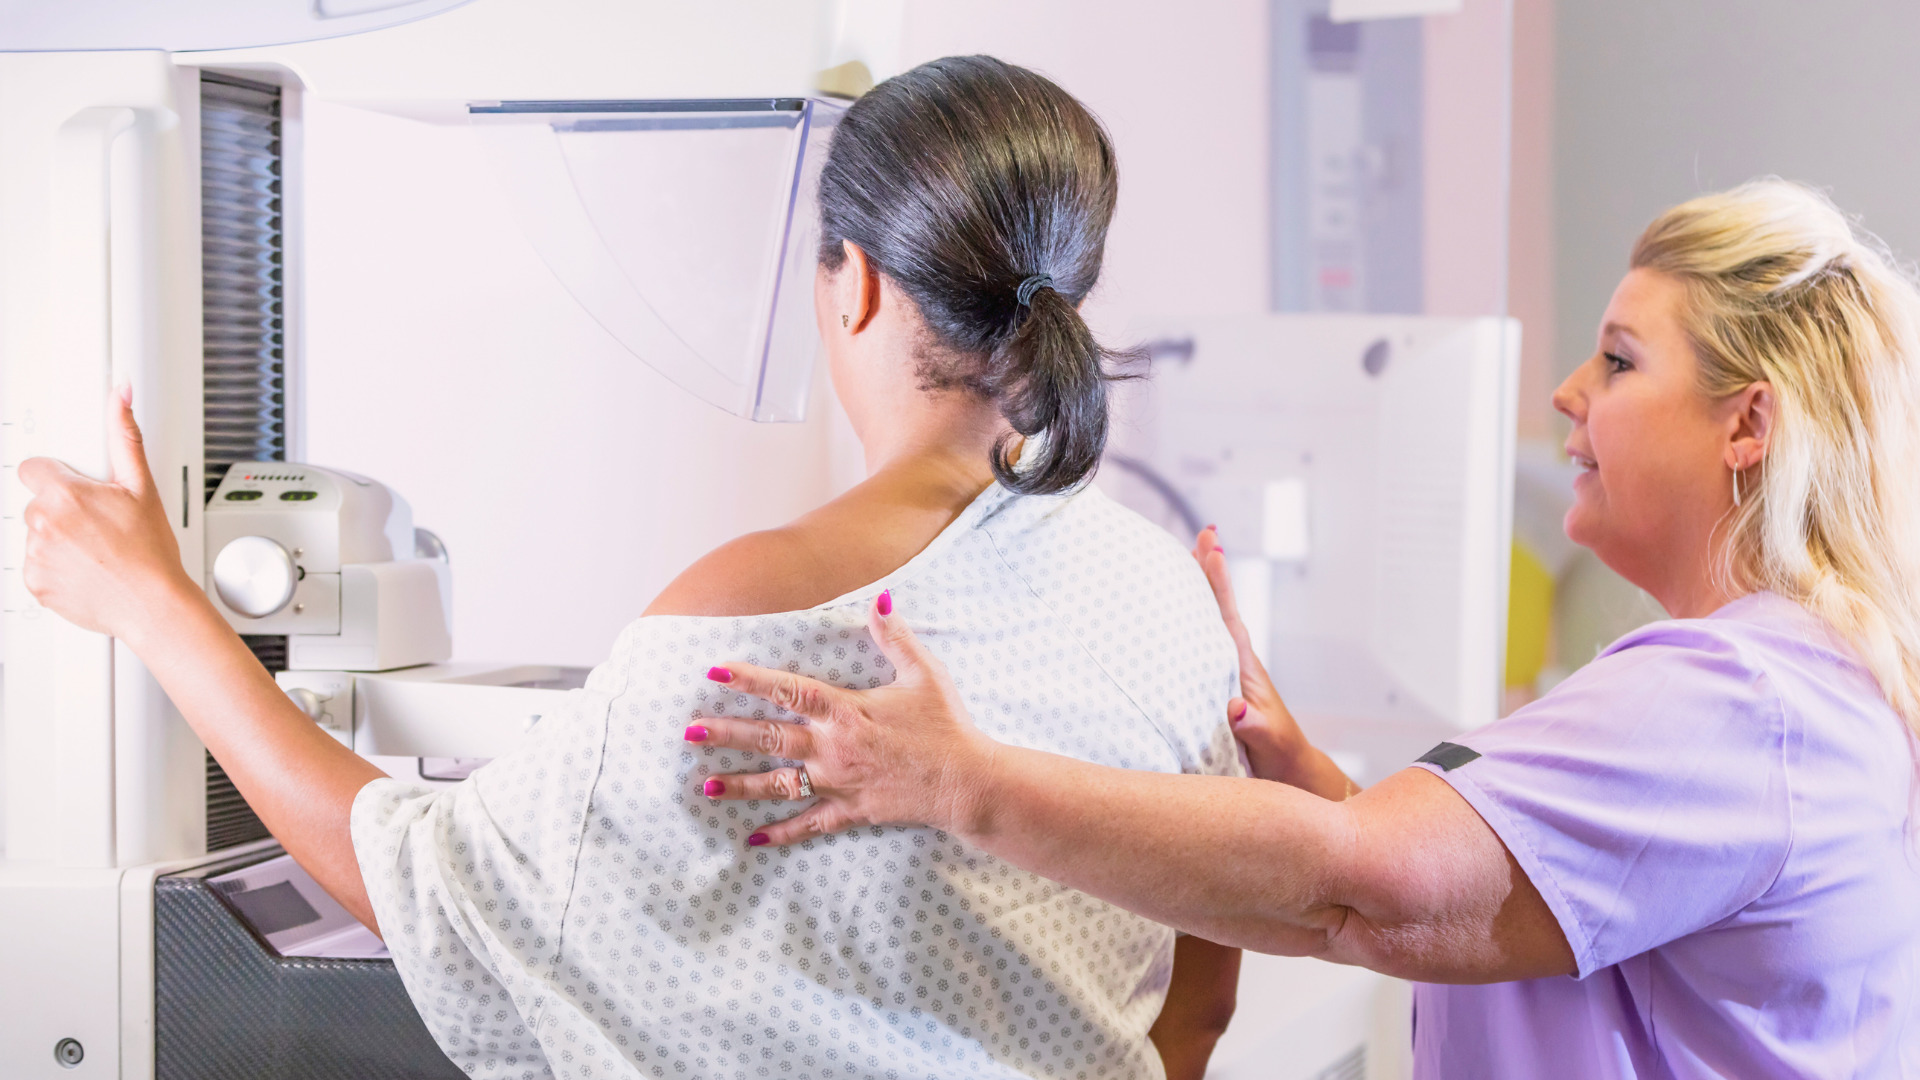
pixel 579 909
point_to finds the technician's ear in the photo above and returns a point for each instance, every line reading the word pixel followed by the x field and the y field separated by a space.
pixel 1753 413
pixel 861 288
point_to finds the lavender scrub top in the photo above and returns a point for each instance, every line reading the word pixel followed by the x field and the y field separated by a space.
pixel 1717 812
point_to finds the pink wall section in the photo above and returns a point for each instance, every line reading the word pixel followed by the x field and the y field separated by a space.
pixel 1466 75
pixel 1489 201
pixel 1184 91
pixel 1530 291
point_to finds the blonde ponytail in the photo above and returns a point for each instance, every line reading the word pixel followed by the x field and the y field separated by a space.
pixel 1782 288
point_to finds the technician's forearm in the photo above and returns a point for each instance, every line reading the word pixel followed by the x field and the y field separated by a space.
pixel 295 776
pixel 1242 862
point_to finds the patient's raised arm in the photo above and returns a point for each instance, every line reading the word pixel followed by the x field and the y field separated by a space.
pixel 101 555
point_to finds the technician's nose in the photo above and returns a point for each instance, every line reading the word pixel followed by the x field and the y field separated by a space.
pixel 1569 399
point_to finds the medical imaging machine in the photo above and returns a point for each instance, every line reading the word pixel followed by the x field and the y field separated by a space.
pixel 151 208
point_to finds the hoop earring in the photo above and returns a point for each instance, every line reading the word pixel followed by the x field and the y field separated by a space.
pixel 1736 487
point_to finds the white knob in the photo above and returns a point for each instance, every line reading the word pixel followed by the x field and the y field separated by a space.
pixel 254 576
pixel 310 703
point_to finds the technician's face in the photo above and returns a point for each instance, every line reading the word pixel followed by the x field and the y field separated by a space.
pixel 1646 439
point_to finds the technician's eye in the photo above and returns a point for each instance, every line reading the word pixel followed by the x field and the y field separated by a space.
pixel 1616 363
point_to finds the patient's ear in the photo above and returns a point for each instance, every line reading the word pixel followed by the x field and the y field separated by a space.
pixel 862 285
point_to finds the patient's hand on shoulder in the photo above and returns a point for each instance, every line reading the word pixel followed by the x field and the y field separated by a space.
pixel 1200 1002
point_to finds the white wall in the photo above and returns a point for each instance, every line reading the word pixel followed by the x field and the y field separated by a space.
pixel 569 480
pixel 1659 101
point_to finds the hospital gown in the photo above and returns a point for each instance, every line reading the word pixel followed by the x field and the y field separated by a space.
pixel 579 909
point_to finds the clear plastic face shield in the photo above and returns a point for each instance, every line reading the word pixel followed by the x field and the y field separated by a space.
pixel 689 229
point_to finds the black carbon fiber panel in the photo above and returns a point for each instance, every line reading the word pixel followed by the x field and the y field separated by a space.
pixel 227 1008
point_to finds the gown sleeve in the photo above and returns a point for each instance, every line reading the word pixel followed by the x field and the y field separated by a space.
pixel 470 883
pixel 1645 797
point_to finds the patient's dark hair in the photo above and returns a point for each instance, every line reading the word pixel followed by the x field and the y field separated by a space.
pixel 961 179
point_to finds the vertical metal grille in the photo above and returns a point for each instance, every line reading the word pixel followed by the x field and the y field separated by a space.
pixel 269 649
pixel 242 240
pixel 241 247
pixel 230 820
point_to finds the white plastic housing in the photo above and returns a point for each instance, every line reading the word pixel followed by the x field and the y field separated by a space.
pixel 688 228
pixel 464 710
pixel 360 601
pixel 75 25
pixel 1367 461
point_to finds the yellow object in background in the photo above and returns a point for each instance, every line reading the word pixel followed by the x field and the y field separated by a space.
pixel 1529 616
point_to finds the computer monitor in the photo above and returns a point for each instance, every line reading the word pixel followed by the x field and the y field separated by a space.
pixel 1360 469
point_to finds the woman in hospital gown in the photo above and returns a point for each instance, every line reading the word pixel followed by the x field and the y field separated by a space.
pixel 585 907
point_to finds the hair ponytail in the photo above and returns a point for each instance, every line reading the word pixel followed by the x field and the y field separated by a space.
pixel 1052 387
pixel 984 191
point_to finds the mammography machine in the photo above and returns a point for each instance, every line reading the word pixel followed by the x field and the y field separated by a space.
pixel 656 162
pixel 1360 472
pixel 150 928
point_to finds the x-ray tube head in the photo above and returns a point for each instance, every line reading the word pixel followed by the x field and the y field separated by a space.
pixel 687 228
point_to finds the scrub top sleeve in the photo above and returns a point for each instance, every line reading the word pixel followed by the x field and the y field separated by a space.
pixel 1645 797
pixel 470 884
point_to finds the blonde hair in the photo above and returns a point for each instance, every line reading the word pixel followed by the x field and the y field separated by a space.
pixel 1782 288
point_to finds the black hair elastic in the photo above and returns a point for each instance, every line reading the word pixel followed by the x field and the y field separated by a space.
pixel 1032 285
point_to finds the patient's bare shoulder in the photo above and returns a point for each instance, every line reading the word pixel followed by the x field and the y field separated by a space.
pixel 755 574
pixel 858 538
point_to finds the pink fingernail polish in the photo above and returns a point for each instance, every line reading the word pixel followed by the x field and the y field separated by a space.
pixel 1215 528
pixel 719 674
pixel 885 603
pixel 696 733
pixel 1219 548
pixel 1241 715
pixel 714 787
pixel 756 839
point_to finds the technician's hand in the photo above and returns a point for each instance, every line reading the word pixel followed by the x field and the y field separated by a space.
pixel 100 554
pixel 1276 747
pixel 905 753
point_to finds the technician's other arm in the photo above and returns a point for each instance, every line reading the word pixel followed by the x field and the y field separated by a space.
pixel 101 555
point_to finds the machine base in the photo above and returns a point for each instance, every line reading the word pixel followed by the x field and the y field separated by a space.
pixel 226 1006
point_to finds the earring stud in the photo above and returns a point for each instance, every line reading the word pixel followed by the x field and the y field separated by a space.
pixel 843 321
